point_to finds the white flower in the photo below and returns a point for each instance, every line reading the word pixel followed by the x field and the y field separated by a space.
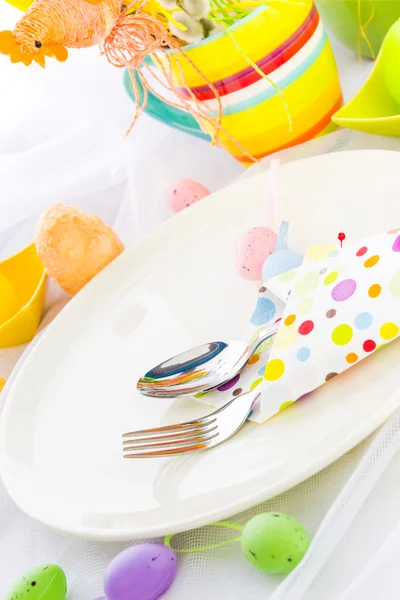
pixel 168 4
pixel 194 30
pixel 210 27
pixel 196 8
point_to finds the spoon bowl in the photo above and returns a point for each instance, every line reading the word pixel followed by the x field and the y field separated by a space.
pixel 202 368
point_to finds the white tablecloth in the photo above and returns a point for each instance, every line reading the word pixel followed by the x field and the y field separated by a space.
pixel 61 140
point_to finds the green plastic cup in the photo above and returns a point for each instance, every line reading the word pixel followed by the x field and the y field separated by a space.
pixel 376 107
pixel 361 25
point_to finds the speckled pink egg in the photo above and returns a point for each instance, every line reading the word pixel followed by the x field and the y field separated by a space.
pixel 252 250
pixel 184 193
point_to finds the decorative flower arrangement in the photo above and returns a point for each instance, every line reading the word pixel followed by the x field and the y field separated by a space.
pixel 191 21
pixel 131 34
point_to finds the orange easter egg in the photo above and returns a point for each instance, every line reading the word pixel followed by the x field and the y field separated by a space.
pixel 74 246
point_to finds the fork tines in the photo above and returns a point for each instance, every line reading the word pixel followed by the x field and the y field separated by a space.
pixel 201 434
pixel 172 439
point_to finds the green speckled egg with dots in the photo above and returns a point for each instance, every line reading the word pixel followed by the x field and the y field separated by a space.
pixel 45 582
pixel 274 543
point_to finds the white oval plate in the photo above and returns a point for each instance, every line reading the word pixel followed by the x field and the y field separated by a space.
pixel 60 438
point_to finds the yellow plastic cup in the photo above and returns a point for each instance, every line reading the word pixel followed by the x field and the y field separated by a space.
pixel 376 107
pixel 22 295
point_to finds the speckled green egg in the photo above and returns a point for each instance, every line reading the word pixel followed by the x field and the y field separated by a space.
pixel 45 582
pixel 274 542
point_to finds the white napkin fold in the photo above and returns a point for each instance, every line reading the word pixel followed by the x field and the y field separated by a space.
pixel 341 306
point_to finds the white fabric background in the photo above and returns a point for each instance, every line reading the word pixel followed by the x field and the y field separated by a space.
pixel 61 140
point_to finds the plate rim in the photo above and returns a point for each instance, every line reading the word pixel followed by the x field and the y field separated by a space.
pixel 249 499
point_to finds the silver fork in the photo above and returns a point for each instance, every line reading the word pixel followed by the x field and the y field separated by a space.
pixel 192 436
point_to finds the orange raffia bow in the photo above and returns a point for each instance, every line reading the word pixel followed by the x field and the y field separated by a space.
pixel 9 47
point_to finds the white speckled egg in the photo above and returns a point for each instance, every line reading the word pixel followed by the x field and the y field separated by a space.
pixel 252 250
pixel 184 193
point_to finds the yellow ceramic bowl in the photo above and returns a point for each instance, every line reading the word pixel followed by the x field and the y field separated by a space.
pixel 288 43
pixel 22 293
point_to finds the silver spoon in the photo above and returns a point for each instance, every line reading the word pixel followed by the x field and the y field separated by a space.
pixel 202 368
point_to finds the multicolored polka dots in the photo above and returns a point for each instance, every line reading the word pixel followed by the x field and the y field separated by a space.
pixel 371 261
pixel 286 337
pixel 369 346
pixel 200 395
pixel 339 310
pixel 264 312
pixel 389 331
pixel 229 384
pixel 264 347
pixel 342 335
pixel 351 358
pixel 306 327
pixel 290 320
pixel 306 284
pixel 396 244
pixel 274 370
pixel 363 320
pixel 255 384
pixel 288 276
pixel 305 305
pixel 286 404
pixel 374 290
pixel 303 354
pixel 262 371
pixel 331 277
pixel 320 252
pixel 253 359
pixel 330 376
pixel 344 290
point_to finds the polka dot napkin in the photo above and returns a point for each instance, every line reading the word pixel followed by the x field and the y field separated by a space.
pixel 340 306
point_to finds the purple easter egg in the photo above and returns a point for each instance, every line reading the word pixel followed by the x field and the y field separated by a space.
pixel 142 572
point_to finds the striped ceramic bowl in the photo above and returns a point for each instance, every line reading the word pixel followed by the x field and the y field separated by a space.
pixel 288 43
